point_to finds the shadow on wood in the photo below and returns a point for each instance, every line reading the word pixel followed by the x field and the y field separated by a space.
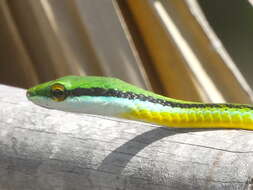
pixel 49 150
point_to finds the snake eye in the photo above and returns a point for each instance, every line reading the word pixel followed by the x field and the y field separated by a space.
pixel 58 92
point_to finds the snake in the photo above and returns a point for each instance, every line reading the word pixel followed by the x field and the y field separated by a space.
pixel 113 97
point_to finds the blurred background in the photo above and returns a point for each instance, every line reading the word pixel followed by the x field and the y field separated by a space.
pixel 187 49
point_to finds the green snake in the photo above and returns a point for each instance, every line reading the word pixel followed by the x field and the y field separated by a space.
pixel 116 98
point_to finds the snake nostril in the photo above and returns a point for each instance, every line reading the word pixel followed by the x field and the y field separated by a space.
pixel 28 94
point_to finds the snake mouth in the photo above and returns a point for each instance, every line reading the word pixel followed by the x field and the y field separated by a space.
pixel 30 93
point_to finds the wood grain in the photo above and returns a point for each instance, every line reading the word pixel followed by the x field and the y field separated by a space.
pixel 53 150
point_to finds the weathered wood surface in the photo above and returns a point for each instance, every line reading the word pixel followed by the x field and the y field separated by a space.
pixel 53 150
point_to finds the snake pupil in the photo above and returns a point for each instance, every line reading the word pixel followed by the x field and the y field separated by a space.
pixel 58 93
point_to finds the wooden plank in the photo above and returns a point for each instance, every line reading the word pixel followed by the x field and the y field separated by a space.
pixel 49 150
pixel 15 59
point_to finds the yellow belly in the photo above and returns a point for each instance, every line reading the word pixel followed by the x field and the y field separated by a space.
pixel 193 119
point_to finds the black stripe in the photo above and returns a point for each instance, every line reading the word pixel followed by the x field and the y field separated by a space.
pixel 131 95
